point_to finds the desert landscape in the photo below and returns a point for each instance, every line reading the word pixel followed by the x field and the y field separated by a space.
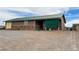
pixel 14 40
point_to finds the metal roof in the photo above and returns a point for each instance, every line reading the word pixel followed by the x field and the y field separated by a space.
pixel 36 17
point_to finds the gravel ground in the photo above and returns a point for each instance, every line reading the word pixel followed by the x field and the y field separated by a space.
pixel 39 40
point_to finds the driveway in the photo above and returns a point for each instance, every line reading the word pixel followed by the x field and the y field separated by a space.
pixel 39 40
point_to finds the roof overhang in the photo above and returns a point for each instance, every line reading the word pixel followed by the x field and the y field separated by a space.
pixel 38 18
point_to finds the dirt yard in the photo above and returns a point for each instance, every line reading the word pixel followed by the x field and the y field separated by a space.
pixel 39 40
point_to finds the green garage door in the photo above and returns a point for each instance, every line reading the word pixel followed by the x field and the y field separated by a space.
pixel 53 24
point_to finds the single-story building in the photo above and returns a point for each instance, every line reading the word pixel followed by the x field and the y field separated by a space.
pixel 46 22
pixel 76 27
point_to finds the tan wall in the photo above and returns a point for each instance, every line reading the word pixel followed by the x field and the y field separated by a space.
pixel 8 25
pixel 76 27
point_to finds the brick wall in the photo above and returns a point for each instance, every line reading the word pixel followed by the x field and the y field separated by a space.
pixel 27 25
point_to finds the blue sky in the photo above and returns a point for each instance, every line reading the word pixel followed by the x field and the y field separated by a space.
pixel 71 13
pixel 72 16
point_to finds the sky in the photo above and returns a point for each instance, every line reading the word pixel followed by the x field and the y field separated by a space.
pixel 71 13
